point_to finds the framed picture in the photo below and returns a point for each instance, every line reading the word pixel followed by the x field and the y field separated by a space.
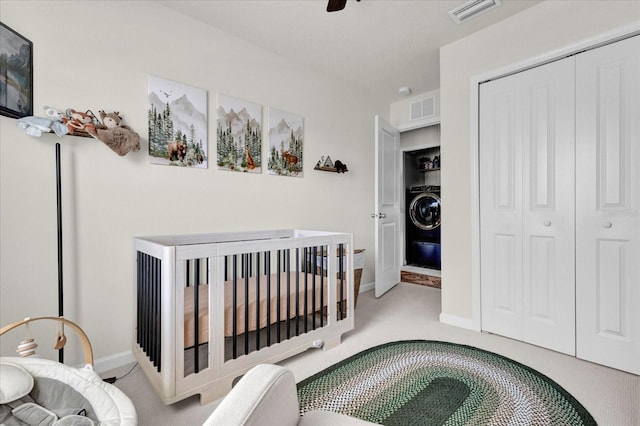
pixel 286 134
pixel 16 74
pixel 239 135
pixel 177 123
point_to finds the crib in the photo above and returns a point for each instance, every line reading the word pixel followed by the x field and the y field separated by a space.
pixel 208 307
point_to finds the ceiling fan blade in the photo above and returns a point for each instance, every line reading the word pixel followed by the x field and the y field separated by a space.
pixel 336 5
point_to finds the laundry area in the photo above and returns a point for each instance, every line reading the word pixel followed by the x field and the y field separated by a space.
pixel 421 163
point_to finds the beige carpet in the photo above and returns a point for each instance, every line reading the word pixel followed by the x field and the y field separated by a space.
pixel 411 312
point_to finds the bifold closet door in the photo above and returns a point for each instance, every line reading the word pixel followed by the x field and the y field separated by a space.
pixel 608 202
pixel 526 154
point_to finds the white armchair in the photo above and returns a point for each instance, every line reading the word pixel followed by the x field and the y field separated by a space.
pixel 266 396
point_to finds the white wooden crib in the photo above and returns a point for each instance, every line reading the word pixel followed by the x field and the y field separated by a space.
pixel 209 307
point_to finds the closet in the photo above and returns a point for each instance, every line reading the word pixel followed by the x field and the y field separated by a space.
pixel 559 160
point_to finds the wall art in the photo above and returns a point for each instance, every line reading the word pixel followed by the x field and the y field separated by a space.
pixel 16 74
pixel 177 123
pixel 286 136
pixel 239 135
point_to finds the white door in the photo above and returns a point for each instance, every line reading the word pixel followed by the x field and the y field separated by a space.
pixel 387 213
pixel 608 200
pixel 526 206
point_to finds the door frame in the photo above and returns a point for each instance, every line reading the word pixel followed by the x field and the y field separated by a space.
pixel 475 323
pixel 403 193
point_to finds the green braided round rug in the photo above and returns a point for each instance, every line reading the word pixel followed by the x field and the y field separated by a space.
pixel 419 382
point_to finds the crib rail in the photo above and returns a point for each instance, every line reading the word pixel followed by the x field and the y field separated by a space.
pixel 209 309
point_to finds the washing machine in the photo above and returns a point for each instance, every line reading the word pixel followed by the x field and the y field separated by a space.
pixel 423 226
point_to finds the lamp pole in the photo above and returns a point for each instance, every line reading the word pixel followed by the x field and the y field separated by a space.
pixel 59 212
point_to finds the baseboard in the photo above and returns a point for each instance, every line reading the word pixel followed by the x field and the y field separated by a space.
pixel 460 322
pixel 367 287
pixel 110 362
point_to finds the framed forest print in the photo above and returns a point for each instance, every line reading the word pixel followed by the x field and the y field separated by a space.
pixel 239 135
pixel 286 137
pixel 177 123
pixel 16 74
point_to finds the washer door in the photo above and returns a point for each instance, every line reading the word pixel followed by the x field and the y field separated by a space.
pixel 425 211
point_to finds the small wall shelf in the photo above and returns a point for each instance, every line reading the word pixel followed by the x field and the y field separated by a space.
pixel 329 169
pixel 327 165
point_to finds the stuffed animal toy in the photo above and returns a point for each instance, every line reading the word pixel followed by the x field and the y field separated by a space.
pixel 56 117
pixel 340 166
pixel 120 138
pixel 78 122
pixel 35 126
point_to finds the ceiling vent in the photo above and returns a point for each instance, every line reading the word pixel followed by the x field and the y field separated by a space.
pixel 424 108
pixel 472 8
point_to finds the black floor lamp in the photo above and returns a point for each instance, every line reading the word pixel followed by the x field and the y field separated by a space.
pixel 59 211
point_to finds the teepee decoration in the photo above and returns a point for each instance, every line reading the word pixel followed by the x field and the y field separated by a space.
pixel 28 346
pixel 60 339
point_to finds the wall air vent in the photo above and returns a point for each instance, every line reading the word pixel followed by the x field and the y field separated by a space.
pixel 424 108
pixel 472 8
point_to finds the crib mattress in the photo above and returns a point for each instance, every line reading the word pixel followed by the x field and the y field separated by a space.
pixel 286 292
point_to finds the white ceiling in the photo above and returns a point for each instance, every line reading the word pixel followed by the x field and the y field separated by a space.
pixel 379 45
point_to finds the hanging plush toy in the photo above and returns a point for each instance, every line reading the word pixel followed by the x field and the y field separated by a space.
pixel 60 339
pixel 120 138
pixel 28 346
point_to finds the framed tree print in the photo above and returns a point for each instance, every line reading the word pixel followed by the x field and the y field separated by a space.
pixel 177 123
pixel 239 135
pixel 16 74
pixel 286 137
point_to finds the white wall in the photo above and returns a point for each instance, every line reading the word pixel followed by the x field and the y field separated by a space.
pixel 541 29
pixel 97 55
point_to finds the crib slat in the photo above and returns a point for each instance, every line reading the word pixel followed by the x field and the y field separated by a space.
pixel 267 264
pixel 306 290
pixel 297 291
pixel 145 306
pixel 196 316
pixel 146 298
pixel 258 301
pixel 247 258
pixel 278 282
pixel 150 296
pixel 288 270
pixel 323 249
pixel 234 310
pixel 342 278
pixel 314 262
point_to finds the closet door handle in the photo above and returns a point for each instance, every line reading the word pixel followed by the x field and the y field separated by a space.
pixel 607 225
pixel 547 223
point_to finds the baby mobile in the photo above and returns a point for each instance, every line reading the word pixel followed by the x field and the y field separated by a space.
pixel 27 347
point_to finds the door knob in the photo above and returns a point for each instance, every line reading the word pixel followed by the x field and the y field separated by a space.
pixel 547 223
pixel 378 215
pixel 607 225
